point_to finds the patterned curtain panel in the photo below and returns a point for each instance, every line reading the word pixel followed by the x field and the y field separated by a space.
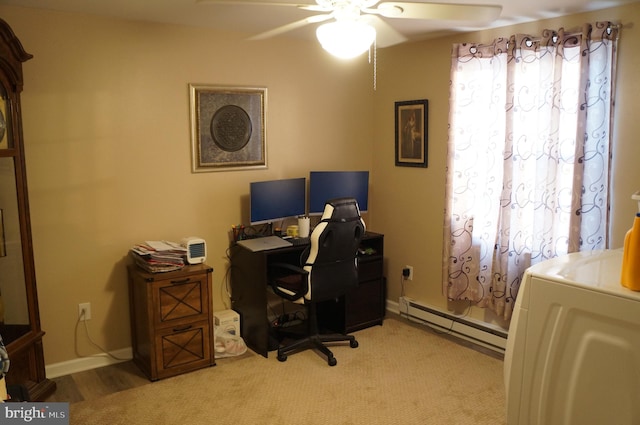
pixel 528 158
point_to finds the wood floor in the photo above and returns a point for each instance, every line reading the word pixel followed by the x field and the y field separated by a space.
pixel 96 383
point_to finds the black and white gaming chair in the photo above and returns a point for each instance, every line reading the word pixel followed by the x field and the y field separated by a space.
pixel 329 271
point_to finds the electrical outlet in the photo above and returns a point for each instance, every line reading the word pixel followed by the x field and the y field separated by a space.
pixel 86 309
pixel 410 276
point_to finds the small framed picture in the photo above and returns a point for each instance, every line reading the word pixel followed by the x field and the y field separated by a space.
pixel 412 127
pixel 228 128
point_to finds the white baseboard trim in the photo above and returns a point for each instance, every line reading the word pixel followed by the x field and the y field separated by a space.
pixel 81 364
pixel 470 329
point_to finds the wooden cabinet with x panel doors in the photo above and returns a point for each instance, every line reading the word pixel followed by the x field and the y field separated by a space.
pixel 171 320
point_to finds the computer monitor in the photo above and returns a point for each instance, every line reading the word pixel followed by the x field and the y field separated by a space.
pixel 275 200
pixel 325 185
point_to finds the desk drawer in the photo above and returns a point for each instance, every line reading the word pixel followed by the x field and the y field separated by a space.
pixel 365 304
pixel 369 269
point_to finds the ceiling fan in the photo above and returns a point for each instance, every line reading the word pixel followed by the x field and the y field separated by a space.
pixel 363 21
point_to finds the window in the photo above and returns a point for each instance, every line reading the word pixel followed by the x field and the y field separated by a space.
pixel 528 158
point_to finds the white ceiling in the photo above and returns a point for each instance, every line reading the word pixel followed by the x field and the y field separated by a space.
pixel 255 19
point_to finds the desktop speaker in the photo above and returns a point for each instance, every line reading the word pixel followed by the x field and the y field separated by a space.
pixel 196 250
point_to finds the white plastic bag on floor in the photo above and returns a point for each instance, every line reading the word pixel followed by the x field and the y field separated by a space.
pixel 228 345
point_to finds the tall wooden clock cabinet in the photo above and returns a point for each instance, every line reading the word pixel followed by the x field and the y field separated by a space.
pixel 19 316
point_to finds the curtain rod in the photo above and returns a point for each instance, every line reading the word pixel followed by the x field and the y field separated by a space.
pixel 575 31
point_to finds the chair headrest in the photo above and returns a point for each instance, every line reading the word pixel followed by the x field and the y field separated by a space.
pixel 341 209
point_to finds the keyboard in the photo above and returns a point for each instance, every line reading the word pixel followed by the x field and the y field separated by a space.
pixel 300 241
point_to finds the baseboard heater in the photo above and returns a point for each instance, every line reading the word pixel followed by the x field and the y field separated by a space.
pixel 481 333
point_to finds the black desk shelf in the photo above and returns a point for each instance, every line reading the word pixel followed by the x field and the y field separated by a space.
pixel 360 308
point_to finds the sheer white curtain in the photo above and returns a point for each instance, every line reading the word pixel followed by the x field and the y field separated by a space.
pixel 528 157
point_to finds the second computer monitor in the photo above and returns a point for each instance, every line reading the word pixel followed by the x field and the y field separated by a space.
pixel 325 185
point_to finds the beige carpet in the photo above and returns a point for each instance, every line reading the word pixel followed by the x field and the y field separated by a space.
pixel 400 374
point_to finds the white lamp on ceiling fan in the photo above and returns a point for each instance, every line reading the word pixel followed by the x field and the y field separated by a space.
pixel 346 37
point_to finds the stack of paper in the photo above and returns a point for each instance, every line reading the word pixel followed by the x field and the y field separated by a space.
pixel 159 256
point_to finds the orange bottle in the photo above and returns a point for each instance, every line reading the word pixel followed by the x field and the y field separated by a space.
pixel 630 277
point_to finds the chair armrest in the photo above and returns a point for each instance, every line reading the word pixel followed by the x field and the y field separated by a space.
pixel 289 267
pixel 290 282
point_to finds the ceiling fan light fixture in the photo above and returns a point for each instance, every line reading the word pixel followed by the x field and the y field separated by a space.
pixel 346 39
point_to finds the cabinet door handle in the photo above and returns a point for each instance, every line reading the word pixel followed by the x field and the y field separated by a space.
pixel 182 328
pixel 180 282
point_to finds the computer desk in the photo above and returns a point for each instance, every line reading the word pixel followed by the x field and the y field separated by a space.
pixel 362 307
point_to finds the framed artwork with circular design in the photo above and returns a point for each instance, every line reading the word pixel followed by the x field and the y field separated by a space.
pixel 228 128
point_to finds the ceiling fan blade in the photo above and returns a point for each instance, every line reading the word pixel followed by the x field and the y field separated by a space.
pixel 304 6
pixel 437 11
pixel 386 35
pixel 292 26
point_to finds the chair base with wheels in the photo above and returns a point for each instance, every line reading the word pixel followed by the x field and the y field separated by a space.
pixel 316 340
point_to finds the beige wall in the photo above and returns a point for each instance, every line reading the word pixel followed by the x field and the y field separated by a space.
pixel 106 126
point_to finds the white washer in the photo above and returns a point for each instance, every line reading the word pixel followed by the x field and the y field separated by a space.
pixel 573 351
